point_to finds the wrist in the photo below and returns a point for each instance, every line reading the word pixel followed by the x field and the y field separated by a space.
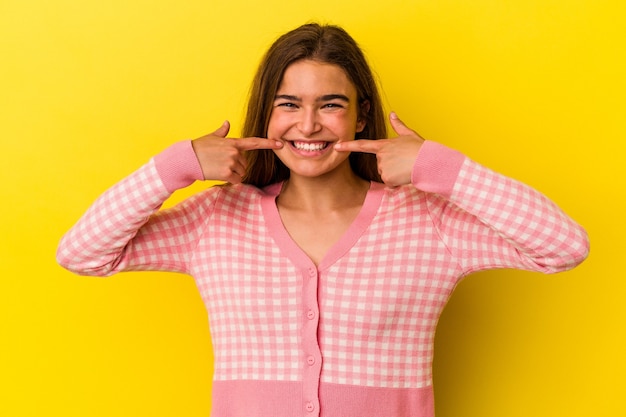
pixel 436 168
pixel 178 166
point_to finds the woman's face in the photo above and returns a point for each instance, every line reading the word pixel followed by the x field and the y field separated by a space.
pixel 315 107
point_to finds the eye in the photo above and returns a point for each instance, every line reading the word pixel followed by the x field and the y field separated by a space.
pixel 287 105
pixel 332 106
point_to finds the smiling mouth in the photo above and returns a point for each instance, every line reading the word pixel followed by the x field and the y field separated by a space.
pixel 309 146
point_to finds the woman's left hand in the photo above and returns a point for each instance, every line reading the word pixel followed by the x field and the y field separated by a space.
pixel 395 156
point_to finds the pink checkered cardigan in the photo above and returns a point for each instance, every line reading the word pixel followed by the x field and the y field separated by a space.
pixel 353 336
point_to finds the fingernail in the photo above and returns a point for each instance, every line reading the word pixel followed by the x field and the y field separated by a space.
pixel 279 144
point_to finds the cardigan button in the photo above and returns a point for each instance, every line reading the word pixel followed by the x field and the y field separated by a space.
pixel 310 314
pixel 310 360
pixel 309 407
pixel 312 272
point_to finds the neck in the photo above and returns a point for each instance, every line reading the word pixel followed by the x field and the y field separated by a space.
pixel 319 194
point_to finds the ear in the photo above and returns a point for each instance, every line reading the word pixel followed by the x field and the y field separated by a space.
pixel 364 110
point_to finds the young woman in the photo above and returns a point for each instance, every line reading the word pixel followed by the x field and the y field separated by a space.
pixel 327 258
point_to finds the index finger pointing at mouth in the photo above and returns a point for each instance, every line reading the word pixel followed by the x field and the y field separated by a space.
pixel 248 144
pixel 360 145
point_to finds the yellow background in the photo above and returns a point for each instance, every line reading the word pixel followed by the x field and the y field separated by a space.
pixel 91 90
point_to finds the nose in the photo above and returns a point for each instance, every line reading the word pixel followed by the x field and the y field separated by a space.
pixel 308 124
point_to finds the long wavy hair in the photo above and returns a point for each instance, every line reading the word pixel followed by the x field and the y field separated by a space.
pixel 323 43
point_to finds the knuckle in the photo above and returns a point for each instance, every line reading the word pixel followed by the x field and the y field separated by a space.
pixel 232 152
pixel 225 172
pixel 256 144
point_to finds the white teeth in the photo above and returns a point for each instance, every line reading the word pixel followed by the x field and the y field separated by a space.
pixel 306 146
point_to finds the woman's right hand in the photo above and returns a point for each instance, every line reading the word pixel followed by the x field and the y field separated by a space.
pixel 222 158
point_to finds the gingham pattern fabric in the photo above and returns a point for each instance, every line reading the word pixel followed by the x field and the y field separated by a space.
pixel 364 318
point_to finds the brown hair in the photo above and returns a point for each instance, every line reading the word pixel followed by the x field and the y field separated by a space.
pixel 323 43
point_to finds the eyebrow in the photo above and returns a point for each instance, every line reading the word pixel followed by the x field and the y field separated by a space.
pixel 326 97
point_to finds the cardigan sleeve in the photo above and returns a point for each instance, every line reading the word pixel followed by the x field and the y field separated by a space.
pixel 488 220
pixel 124 230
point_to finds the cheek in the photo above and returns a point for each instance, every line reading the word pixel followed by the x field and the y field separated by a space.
pixel 344 125
pixel 276 125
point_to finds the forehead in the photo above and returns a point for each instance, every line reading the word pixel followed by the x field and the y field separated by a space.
pixel 308 77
